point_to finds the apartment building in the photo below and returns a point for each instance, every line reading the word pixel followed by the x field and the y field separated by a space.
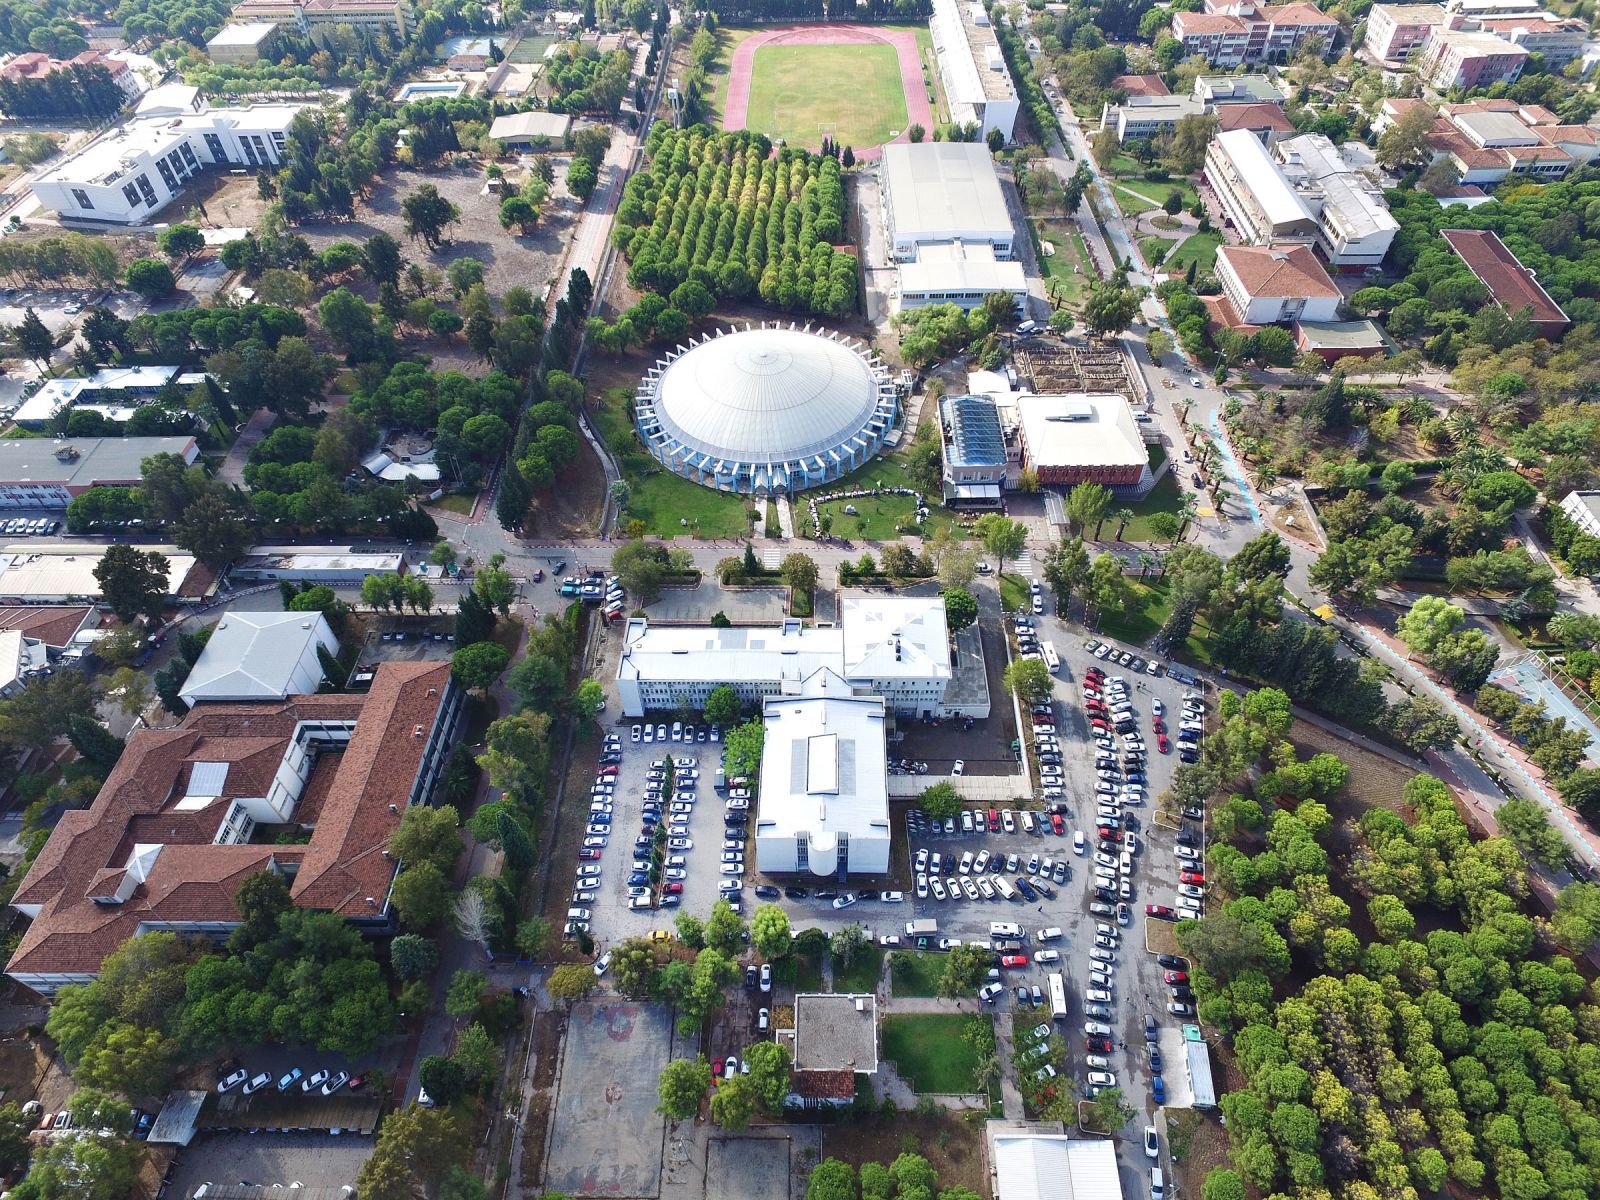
pixel 301 16
pixel 1255 197
pixel 132 172
pixel 1395 32
pixel 1467 59
pixel 1584 509
pixel 1275 285
pixel 36 66
pixel 1232 35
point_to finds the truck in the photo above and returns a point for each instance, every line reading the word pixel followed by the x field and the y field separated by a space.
pixel 926 927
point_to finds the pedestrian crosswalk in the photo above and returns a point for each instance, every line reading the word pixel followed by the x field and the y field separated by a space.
pixel 1022 565
pixel 771 560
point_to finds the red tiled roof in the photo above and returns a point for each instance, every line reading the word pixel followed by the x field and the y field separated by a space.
pixel 1572 135
pixel 52 626
pixel 1536 153
pixel 1295 14
pixel 1510 283
pixel 1141 85
pixel 1278 271
pixel 1196 22
pixel 1252 117
pixel 193 879
pixel 823 1085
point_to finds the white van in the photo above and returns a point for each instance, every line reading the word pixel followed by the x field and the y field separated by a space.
pixel 1027 822
pixel 1005 929
pixel 1157 1184
pixel 1080 844
pixel 1051 933
pixel 1004 888
pixel 1028 327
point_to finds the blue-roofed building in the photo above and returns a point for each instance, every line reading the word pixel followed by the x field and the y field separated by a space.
pixel 975 452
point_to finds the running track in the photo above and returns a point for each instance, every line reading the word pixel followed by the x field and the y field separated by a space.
pixel 904 42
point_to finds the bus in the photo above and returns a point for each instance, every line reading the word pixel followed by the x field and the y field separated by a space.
pixel 1051 658
pixel 1058 996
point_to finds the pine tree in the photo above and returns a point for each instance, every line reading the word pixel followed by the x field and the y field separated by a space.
pixel 474 620
pixel 97 745
pixel 751 566
pixel 849 158
pixel 511 502
pixel 514 841
pixel 1192 272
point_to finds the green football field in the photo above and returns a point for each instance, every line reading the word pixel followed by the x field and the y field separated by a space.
pixel 851 94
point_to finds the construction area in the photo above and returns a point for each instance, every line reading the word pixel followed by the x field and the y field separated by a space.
pixel 1055 368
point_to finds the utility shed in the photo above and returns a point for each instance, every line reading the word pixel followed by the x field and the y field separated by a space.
pixel 1199 1058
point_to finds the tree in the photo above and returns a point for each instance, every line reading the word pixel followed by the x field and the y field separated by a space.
pixel 465 993
pixel 960 608
pixel 443 1079
pixel 95 744
pixel 1030 679
pixel 427 835
pixel 633 967
pixel 412 956
pixel 1405 142
pixel 769 1064
pixel 641 568
pixel 942 800
pixel 1087 505
pixel 831 1179
pixel 571 982
pixel 180 241
pixel 45 710
pixel 214 528
pixel 799 571
pixel 1422 724
pixel 34 339
pixel 151 278
pixel 916 133
pixel 723 707
pixel 1430 620
pixel 1110 309
pixel 1001 537
pixel 476 667
pixel 133 582
pixel 770 931
pixel 682 1084
pixel 965 969
pixel 847 944
pixel 735 1102
pixel 724 928
pixel 427 215
pixel 85 1166
pixel 1110 1110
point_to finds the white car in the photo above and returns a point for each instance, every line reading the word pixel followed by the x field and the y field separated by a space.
pixel 1189 889
pixel 938 888
pixel 1101 954
pixel 1102 1079
pixel 1096 1029
pixel 893 898
pixel 1187 853
pixel 959 768
pixel 638 732
pixel 922 887
pixel 232 1081
pixel 602 964
pixel 889 939
pixel 1008 821
pixel 965 865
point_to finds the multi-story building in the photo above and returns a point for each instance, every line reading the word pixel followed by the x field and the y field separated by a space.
pixel 135 170
pixel 976 452
pixel 301 16
pixel 894 647
pixel 48 473
pixel 824 802
pixel 1264 122
pixel 1489 140
pixel 1301 192
pixel 977 83
pixel 1511 285
pixel 1218 91
pixel 1584 509
pixel 960 274
pixel 188 814
pixel 1233 34
pixel 1559 40
pixel 1467 59
pixel 1395 32
pixel 32 66
pixel 242 42
pixel 1275 285
pixel 1143 117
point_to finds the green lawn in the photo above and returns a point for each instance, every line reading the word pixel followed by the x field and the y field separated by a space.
pixel 660 499
pixel 456 502
pixel 920 978
pixel 1153 610
pixel 1062 282
pixel 876 517
pixel 1200 248
pixel 850 93
pixel 1148 194
pixel 1015 595
pixel 1155 249
pixel 1164 497
pixel 929 1051
pixel 861 975
pixel 807 973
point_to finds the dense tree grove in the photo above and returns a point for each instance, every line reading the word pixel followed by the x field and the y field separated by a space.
pixel 715 218
pixel 1409 1059
pixel 81 90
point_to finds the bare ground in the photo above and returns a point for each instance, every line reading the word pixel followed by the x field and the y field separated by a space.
pixel 953 1145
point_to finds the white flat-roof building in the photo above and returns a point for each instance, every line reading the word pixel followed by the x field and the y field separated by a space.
pixel 937 192
pixel 1256 199
pixel 48 473
pixel 134 170
pixel 62 574
pixel 977 83
pixel 1354 226
pixel 1041 1163
pixel 1142 117
pixel 959 273
pixel 316 564
pixel 118 388
pixel 824 803
pixel 1082 437
pixel 1218 90
pixel 20 659
pixel 1584 509
pixel 261 656
pixel 241 43
pixel 895 647
pixel 530 130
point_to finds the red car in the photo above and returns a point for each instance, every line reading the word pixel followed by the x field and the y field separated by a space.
pixel 1162 744
pixel 1158 725
pixel 994 820
pixel 1057 825
pixel 1094 706
pixel 716 1067
pixel 1097 1045
pixel 1099 723
pixel 1176 977
pixel 589 854
pixel 1094 673
pixel 672 889
pixel 1161 911
pixel 1014 960
pixel 607 770
pixel 1194 877
pixel 357 1083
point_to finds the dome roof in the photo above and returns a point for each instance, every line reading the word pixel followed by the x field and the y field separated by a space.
pixel 766 395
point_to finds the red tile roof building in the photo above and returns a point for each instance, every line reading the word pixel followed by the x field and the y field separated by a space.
pixel 34 66
pixel 1511 285
pixel 1266 121
pixel 1141 85
pixel 1231 34
pixel 171 835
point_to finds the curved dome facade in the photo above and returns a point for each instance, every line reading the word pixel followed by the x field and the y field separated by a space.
pixel 766 409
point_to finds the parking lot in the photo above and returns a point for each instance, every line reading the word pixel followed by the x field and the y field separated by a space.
pixel 309 1160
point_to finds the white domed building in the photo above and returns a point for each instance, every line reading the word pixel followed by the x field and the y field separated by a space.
pixel 766 409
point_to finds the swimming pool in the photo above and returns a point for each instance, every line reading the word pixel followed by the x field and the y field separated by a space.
pixel 425 91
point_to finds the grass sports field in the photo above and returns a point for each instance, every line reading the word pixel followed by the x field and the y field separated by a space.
pixel 852 94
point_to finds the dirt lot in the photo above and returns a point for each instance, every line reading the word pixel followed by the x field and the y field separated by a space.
pixel 229 201
pixel 1375 781
pixel 507 261
pixel 953 1145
